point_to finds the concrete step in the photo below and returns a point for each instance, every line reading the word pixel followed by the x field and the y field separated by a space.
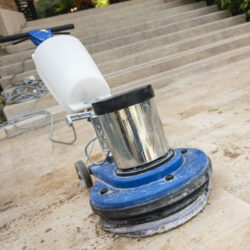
pixel 14 58
pixel 14 110
pixel 88 29
pixel 176 43
pixel 119 15
pixel 111 14
pixel 161 51
pixel 117 19
pixel 90 35
pixel 6 81
pixel 18 68
pixel 150 24
pixel 12 69
pixel 144 44
pixel 32 123
pixel 21 56
pixel 98 47
pixel 157 81
pixel 99 11
pixel 156 51
pixel 182 71
pixel 170 62
pixel 149 17
pixel 189 70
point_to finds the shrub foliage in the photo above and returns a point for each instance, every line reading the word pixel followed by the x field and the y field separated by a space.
pixel 235 6
pixel 46 8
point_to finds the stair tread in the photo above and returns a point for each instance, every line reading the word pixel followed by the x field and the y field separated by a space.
pixel 153 62
pixel 125 29
pixel 161 76
pixel 172 26
pixel 168 73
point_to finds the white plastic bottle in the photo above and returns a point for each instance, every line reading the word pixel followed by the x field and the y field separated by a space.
pixel 69 72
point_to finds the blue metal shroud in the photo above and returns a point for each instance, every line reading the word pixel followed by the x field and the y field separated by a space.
pixel 39 36
pixel 187 166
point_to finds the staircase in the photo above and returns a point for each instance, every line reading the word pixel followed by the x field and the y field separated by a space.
pixel 136 43
pixel 27 8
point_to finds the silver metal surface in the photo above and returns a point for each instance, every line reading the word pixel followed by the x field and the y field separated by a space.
pixel 95 122
pixel 135 135
pixel 79 116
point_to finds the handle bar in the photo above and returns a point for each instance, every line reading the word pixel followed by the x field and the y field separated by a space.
pixel 26 34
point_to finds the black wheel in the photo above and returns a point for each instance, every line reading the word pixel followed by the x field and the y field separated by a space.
pixel 83 174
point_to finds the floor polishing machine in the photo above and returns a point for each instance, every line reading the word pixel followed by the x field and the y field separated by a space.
pixel 144 186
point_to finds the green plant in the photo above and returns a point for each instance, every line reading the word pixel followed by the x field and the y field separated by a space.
pixel 63 6
pixel 99 3
pixel 2 101
pixel 235 6
pixel 47 8
pixel 245 7
pixel 2 104
pixel 230 5
pixel 3 51
pixel 2 115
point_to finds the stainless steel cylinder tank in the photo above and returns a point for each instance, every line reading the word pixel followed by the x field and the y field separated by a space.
pixel 133 128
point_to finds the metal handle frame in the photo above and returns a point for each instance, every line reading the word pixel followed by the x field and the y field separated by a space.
pixel 24 36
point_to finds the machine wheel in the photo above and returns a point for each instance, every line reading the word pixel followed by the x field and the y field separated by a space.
pixel 83 174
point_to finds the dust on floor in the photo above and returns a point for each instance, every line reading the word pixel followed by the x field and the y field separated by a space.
pixel 43 205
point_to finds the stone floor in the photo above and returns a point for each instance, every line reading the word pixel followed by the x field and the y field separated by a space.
pixel 43 205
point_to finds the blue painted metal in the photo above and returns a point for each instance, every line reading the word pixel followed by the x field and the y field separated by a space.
pixel 39 36
pixel 149 186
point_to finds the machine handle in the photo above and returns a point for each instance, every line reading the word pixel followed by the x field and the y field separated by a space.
pixel 26 34
pixel 78 116
pixel 14 37
pixel 63 27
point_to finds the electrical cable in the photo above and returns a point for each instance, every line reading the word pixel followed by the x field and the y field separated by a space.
pixel 25 91
pixel 33 89
pixel 88 153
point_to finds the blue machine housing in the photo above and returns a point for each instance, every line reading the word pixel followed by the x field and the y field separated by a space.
pixel 39 36
pixel 188 167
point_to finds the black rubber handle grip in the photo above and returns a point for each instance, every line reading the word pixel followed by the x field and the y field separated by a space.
pixel 5 39
pixel 13 37
pixel 63 27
